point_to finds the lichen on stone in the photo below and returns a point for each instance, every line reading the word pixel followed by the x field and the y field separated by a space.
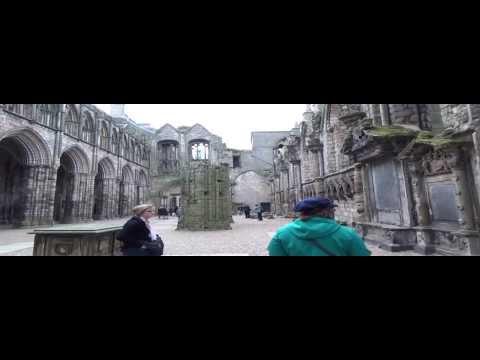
pixel 437 142
pixel 390 131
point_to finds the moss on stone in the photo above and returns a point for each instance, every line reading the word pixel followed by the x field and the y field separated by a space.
pixel 390 131
pixel 437 142
pixel 425 135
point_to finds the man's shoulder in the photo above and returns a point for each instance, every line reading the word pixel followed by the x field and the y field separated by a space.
pixel 285 229
pixel 350 232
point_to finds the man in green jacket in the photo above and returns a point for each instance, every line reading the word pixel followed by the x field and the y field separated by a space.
pixel 316 233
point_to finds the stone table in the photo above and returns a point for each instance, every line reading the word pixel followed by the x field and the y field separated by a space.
pixel 90 239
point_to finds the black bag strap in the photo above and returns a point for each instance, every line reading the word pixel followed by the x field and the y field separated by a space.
pixel 328 252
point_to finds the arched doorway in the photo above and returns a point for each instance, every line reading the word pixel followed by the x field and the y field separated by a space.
pixel 104 191
pixel 13 184
pixel 24 170
pixel 64 191
pixel 126 192
pixel 141 188
pixel 251 189
pixel 168 156
pixel 71 197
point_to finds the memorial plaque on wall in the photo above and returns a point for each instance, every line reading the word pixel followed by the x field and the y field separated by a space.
pixel 443 202
pixel 386 186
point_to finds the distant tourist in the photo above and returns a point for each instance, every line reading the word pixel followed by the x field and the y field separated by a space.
pixel 180 213
pixel 259 211
pixel 137 234
pixel 316 233
pixel 247 212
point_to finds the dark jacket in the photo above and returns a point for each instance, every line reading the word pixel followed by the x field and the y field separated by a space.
pixel 134 233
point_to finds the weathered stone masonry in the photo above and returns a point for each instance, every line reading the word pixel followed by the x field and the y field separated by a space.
pixel 407 176
pixel 69 163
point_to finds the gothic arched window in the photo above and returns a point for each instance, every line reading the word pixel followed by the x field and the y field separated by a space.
pixel 168 155
pixel 88 129
pixel 200 150
pixel 115 141
pixel 104 136
pixel 132 150
pixel 28 111
pixel 15 108
pixel 71 122
pixel 125 147
pixel 43 114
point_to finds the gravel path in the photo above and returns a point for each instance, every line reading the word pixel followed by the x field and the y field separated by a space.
pixel 248 237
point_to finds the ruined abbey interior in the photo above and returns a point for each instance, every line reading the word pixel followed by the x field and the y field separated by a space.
pixel 406 176
pixel 67 163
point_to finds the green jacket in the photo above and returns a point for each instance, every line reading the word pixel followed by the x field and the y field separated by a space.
pixel 298 238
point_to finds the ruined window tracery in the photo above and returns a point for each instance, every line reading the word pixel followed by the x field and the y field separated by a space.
pixel 88 128
pixel 71 122
pixel 115 141
pixel 104 136
pixel 200 150
pixel 168 155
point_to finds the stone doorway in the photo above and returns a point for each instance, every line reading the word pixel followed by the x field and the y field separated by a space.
pixel 126 192
pixel 98 194
pixel 24 173
pixel 104 191
pixel 64 192
pixel 73 200
pixel 12 184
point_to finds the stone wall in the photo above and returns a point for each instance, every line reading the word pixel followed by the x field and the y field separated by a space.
pixel 206 201
pixel 39 137
pixel 353 140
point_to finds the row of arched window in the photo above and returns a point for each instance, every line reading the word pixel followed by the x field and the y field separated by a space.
pixel 46 114
pixel 83 128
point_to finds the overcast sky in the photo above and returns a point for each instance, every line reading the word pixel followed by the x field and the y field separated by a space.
pixel 233 123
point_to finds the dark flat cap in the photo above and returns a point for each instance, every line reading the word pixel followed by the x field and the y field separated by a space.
pixel 314 203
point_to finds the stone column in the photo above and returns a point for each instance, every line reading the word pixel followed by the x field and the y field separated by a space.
pixel 29 197
pixel 422 218
pixel 385 114
pixel 36 209
pixel 358 195
pixel 464 202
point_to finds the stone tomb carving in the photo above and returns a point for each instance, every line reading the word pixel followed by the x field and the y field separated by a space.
pixel 77 240
pixel 442 200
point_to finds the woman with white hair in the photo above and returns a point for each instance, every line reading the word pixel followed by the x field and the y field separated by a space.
pixel 137 234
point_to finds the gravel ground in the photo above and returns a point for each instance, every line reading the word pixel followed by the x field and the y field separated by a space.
pixel 248 237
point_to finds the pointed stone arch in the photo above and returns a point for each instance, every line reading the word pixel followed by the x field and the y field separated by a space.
pixel 104 193
pixel 107 167
pixel 71 120
pixel 73 197
pixel 126 191
pixel 32 149
pixel 25 168
pixel 88 127
pixel 79 159
pixel 141 187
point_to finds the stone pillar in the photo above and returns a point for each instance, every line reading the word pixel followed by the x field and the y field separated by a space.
pixel 358 195
pixel 464 202
pixel 36 193
pixel 385 114
pixel 315 163
pixel 425 237
pixel 111 198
